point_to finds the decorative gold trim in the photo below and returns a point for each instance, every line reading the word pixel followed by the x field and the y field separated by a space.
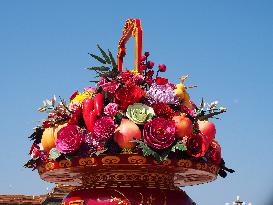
pixel 165 162
pixel 110 160
pixel 49 166
pixel 137 160
pixel 65 163
pixel 89 161
pixel 184 163
pixel 202 166
pixel 76 202
pixel 127 170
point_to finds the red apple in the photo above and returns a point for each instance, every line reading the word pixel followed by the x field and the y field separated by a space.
pixel 127 131
pixel 207 128
pixel 183 126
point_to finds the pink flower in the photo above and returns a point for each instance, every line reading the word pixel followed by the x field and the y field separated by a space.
pixel 159 133
pixel 89 89
pixel 69 139
pixel 104 128
pixel 35 151
pixel 162 67
pixel 138 79
pixel 111 109
pixel 110 87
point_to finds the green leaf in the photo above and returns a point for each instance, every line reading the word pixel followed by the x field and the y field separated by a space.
pixel 179 146
pixel 147 151
pixel 97 58
pixel 97 153
pixel 105 56
pixel 69 156
pixel 99 68
pixel 54 154
pixel 30 163
pixel 36 136
pixel 113 62
pixel 118 118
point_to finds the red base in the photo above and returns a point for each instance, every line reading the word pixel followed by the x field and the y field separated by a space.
pixel 127 196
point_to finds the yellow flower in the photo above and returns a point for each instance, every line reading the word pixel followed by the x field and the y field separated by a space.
pixel 134 71
pixel 81 96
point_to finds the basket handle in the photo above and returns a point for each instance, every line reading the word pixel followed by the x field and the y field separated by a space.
pixel 131 28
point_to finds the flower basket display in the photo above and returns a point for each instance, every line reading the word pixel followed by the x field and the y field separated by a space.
pixel 135 138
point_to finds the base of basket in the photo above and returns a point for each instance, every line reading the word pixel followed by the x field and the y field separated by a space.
pixel 127 196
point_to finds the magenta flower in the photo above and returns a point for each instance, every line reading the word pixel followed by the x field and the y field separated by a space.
pixel 111 109
pixel 159 133
pixel 104 128
pixel 69 139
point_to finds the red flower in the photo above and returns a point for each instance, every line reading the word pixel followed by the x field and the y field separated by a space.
pixel 126 96
pixel 143 58
pixel 143 67
pixel 146 54
pixel 161 81
pixel 214 153
pixel 150 73
pixel 150 64
pixel 162 67
pixel 127 78
pixel 197 145
pixel 163 110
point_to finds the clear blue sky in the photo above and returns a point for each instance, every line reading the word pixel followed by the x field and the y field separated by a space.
pixel 226 47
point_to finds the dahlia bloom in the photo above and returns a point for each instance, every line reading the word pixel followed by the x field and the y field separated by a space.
pixel 69 139
pixel 159 133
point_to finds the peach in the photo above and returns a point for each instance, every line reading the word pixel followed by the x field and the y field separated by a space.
pixel 208 129
pixel 183 126
pixel 126 132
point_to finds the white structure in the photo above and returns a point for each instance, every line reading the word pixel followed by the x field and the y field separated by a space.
pixel 238 202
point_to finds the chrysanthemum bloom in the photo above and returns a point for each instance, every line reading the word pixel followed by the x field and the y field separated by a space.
pixel 161 93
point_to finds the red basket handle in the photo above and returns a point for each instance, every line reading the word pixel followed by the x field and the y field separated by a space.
pixel 132 28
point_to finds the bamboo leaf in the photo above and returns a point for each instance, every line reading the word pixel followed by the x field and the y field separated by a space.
pixel 113 62
pixel 97 58
pixel 105 56
pixel 99 68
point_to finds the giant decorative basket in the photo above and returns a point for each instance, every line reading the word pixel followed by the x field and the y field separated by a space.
pixel 127 178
